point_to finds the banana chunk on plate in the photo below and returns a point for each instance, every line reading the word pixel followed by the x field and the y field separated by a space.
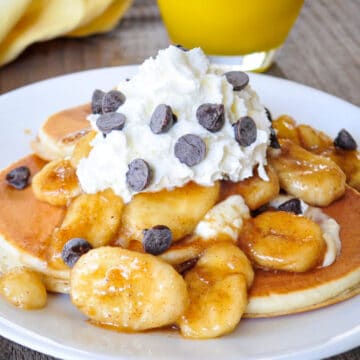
pixel 56 183
pixel 127 290
pixel 94 217
pixel 180 210
pixel 312 178
pixel 217 288
pixel 280 240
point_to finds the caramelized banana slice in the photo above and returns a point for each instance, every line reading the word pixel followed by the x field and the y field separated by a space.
pixel 283 241
pixel 255 191
pixel 314 179
pixel 56 183
pixel 285 127
pixel 23 288
pixel 180 210
pixel 319 143
pixel 94 217
pixel 217 288
pixel 128 290
pixel 82 148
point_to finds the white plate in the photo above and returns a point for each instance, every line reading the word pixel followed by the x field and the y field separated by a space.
pixel 60 330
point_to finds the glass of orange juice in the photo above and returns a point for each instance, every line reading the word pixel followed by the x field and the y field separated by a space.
pixel 240 32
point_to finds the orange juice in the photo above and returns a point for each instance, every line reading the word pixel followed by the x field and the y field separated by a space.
pixel 229 27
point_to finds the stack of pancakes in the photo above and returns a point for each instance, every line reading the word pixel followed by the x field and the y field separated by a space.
pixel 26 225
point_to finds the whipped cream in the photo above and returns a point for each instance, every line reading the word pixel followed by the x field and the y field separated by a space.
pixel 184 81
pixel 225 219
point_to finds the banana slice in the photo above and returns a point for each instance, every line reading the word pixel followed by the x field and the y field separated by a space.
pixel 180 210
pixel 321 144
pixel 94 217
pixel 217 288
pixel 255 191
pixel 283 241
pixel 128 290
pixel 23 288
pixel 56 183
pixel 82 148
pixel 316 180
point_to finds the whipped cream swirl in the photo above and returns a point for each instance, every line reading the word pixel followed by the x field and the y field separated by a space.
pixel 184 81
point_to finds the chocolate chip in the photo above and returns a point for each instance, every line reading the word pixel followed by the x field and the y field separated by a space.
pixel 260 210
pixel 139 175
pixel 73 250
pixel 112 100
pixel 274 142
pixel 96 101
pixel 108 122
pixel 18 177
pixel 181 47
pixel 345 141
pixel 190 149
pixel 211 116
pixel 186 266
pixel 268 114
pixel 157 239
pixel 237 79
pixel 162 119
pixel 292 205
pixel 245 131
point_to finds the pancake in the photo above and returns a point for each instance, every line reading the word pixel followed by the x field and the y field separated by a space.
pixel 26 225
pixel 59 134
pixel 283 293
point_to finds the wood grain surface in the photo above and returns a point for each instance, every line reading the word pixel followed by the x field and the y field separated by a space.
pixel 322 51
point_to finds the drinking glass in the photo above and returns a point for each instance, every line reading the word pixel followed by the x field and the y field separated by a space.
pixel 246 33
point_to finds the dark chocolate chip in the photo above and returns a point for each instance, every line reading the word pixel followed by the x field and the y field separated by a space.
pixel 211 116
pixel 97 101
pixel 237 79
pixel 162 119
pixel 18 177
pixel 345 141
pixel 181 47
pixel 157 239
pixel 292 205
pixel 186 266
pixel 108 122
pixel 268 114
pixel 274 142
pixel 112 101
pixel 73 250
pixel 260 210
pixel 245 131
pixel 190 149
pixel 139 174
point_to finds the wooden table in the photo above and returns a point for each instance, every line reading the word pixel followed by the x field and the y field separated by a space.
pixel 322 51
